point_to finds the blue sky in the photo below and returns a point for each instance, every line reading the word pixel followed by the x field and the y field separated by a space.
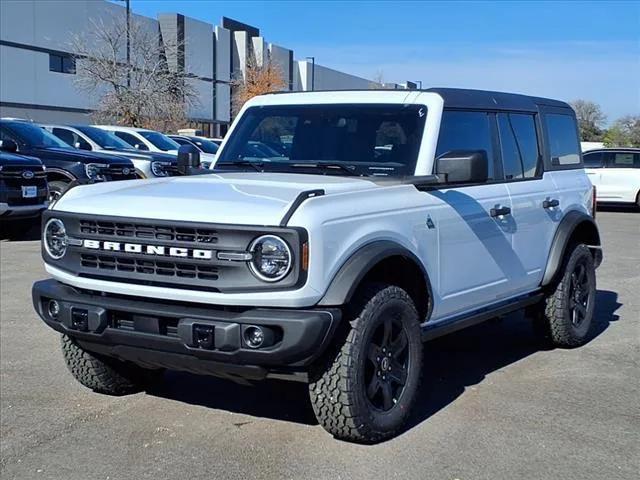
pixel 564 50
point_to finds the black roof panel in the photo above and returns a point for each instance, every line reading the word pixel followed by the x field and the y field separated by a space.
pixel 485 99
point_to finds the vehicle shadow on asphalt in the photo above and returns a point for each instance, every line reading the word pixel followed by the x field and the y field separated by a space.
pixel 451 364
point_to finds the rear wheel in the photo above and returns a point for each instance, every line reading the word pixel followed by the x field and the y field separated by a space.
pixel 569 308
pixel 106 375
pixel 364 389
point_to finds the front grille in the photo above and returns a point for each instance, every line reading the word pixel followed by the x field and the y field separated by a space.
pixel 10 172
pixel 149 232
pixel 122 252
pixel 162 268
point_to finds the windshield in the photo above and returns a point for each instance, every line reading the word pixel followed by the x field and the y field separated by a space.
pixel 381 140
pixel 205 145
pixel 159 140
pixel 35 136
pixel 104 139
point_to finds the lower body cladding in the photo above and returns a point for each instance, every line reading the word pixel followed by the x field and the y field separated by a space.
pixel 253 344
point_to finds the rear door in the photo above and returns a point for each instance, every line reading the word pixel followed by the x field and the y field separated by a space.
pixel 535 204
pixel 621 178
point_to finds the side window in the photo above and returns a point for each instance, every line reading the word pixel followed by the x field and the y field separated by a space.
pixel 466 131
pixel 181 141
pixel 593 160
pixel 519 144
pixel 511 161
pixel 62 63
pixel 131 140
pixel 563 139
pixel 65 135
pixel 623 160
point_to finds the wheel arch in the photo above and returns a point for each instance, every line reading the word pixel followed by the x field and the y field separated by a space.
pixel 57 175
pixel 575 227
pixel 383 261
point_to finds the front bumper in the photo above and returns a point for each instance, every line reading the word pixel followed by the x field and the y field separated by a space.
pixel 21 211
pixel 162 334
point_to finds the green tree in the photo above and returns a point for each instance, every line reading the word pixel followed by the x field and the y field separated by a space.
pixel 625 132
pixel 590 119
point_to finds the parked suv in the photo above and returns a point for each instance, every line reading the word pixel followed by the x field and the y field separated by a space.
pixel 23 189
pixel 615 172
pixel 143 139
pixel 85 137
pixel 333 264
pixel 207 148
pixel 65 165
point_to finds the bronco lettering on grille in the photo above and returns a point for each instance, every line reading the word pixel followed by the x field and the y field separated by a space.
pixel 148 249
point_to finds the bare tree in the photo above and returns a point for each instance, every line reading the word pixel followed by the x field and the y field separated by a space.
pixel 377 83
pixel 146 91
pixel 590 119
pixel 258 79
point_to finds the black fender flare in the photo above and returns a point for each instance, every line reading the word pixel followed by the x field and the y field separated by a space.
pixel 568 225
pixel 346 281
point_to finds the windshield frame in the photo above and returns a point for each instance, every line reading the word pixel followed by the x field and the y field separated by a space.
pixel 242 136
pixel 151 135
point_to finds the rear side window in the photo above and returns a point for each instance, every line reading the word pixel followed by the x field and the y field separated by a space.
pixel 593 160
pixel 131 140
pixel 519 145
pixel 564 147
pixel 623 160
pixel 466 131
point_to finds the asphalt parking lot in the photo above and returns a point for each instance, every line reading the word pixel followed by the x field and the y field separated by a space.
pixel 494 403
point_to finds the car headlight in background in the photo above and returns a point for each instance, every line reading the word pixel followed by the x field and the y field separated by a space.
pixel 55 238
pixel 93 171
pixel 271 258
pixel 159 169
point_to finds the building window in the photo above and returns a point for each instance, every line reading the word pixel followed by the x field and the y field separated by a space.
pixel 62 63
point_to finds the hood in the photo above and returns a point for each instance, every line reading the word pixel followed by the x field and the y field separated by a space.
pixel 73 155
pixel 239 198
pixel 142 155
pixel 18 160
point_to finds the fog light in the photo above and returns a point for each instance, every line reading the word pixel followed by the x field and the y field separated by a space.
pixel 54 308
pixel 254 336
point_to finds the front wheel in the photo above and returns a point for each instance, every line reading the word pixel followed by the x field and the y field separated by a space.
pixel 56 190
pixel 364 389
pixel 569 308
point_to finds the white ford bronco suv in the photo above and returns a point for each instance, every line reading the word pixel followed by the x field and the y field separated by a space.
pixel 386 219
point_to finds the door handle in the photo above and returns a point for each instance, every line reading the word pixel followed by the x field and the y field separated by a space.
pixel 550 203
pixel 500 211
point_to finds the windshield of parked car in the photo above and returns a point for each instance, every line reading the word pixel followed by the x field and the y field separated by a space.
pixel 381 140
pixel 205 145
pixel 104 139
pixel 159 140
pixel 35 136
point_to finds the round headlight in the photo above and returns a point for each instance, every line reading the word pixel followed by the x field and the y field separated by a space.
pixel 271 258
pixel 158 169
pixel 55 238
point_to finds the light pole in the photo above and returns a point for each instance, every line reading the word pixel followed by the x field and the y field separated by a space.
pixel 128 8
pixel 128 44
pixel 313 72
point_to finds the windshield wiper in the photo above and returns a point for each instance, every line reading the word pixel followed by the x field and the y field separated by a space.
pixel 257 166
pixel 328 166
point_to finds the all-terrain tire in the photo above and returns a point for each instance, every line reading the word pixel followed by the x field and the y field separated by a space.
pixel 349 382
pixel 559 319
pixel 106 375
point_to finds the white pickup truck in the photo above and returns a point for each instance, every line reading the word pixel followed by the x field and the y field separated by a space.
pixel 385 219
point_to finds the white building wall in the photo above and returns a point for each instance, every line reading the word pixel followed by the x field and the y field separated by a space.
pixel 280 56
pixel 240 53
pixel 325 78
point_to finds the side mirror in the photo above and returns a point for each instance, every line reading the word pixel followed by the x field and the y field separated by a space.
pixel 141 146
pixel 8 145
pixel 82 146
pixel 188 158
pixel 463 166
